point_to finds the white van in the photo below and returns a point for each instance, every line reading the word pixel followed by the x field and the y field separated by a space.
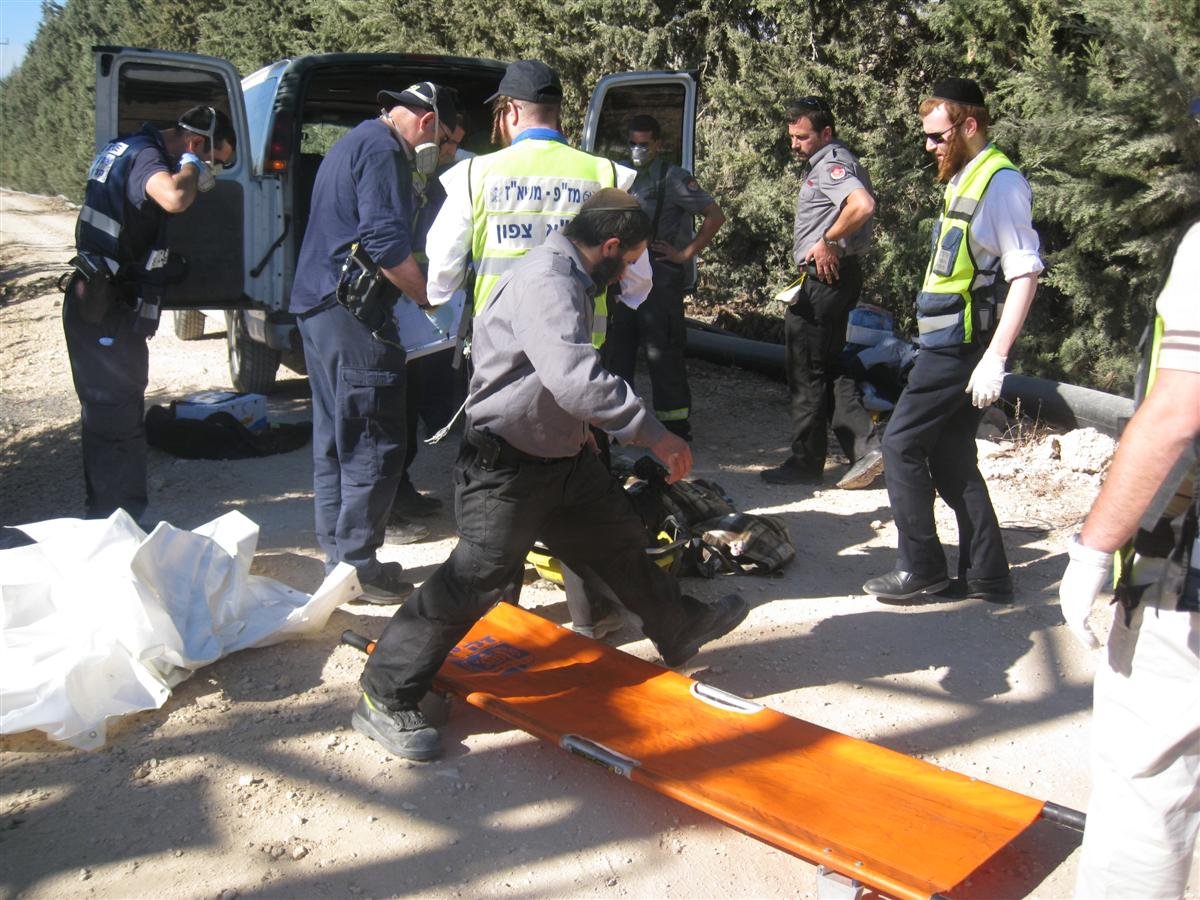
pixel 242 239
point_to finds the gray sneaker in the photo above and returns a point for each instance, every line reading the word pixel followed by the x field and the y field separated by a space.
pixel 403 732
pixel 388 587
pixel 709 624
pixel 864 472
pixel 610 624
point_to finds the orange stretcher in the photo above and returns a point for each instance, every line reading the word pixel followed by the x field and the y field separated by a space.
pixel 897 824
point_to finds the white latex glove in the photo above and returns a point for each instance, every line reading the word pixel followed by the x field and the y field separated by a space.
pixel 985 382
pixel 205 180
pixel 442 317
pixel 1087 573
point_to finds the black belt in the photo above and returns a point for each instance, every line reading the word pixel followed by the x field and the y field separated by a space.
pixel 495 451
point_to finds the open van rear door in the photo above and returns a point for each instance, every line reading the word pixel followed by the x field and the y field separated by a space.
pixel 135 86
pixel 668 96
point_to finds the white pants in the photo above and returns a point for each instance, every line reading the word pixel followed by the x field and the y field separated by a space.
pixel 1145 806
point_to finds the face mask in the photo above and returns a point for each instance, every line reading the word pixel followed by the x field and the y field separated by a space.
pixel 425 156
pixel 640 155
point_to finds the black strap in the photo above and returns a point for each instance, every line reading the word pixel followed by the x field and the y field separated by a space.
pixel 661 187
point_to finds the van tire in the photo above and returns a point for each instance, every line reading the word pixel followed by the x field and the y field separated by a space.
pixel 189 324
pixel 252 366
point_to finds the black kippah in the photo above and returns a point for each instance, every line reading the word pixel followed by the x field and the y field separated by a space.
pixel 959 90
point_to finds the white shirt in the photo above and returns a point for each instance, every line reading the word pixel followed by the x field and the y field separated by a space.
pixel 1179 306
pixel 1002 228
pixel 448 244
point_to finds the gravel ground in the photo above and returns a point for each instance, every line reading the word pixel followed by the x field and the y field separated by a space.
pixel 249 780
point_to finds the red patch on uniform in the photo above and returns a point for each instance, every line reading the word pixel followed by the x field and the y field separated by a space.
pixel 693 185
pixel 811 183
pixel 837 173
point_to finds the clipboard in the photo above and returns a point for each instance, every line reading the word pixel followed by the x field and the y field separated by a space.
pixel 419 335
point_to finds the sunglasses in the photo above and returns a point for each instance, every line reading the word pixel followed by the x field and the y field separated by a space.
pixel 814 102
pixel 938 138
pixel 634 145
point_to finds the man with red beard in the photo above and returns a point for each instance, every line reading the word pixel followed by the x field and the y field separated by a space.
pixel 966 329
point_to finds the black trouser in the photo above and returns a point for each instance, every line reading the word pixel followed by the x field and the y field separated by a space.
pixel 584 518
pixel 658 324
pixel 110 365
pixel 930 445
pixel 815 332
pixel 358 398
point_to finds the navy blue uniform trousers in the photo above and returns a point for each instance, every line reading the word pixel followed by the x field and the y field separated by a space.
pixel 358 398
pixel 582 515
pixel 110 365
pixel 929 445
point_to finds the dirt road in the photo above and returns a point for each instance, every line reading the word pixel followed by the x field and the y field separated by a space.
pixel 249 780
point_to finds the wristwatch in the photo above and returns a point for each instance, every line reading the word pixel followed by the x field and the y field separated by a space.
pixel 827 242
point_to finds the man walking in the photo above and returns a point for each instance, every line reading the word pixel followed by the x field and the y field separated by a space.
pixel 363 199
pixel 965 335
pixel 122 271
pixel 527 470
pixel 834 210
pixel 671 197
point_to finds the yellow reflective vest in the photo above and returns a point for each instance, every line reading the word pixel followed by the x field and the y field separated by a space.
pixel 956 299
pixel 522 194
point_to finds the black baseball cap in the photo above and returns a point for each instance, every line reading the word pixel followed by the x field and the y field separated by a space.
pixel 530 80
pixel 959 90
pixel 422 95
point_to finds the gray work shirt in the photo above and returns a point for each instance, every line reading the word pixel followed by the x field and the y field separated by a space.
pixel 681 197
pixel 833 174
pixel 538 381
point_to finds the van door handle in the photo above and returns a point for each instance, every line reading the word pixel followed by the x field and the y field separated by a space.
pixel 262 263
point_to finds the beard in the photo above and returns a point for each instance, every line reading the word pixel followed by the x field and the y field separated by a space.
pixel 607 271
pixel 955 157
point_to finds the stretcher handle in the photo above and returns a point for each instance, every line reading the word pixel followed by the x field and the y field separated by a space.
pixel 357 641
pixel 1063 815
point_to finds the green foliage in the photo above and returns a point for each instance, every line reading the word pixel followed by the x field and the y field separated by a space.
pixel 1087 95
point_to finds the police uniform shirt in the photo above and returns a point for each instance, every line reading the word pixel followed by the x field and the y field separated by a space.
pixel 139 231
pixel 363 192
pixel 1002 229
pixel 681 198
pixel 538 382
pixel 833 174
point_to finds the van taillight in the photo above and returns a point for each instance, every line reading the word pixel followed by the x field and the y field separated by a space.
pixel 280 149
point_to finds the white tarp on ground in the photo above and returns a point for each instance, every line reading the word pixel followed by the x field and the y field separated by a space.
pixel 98 619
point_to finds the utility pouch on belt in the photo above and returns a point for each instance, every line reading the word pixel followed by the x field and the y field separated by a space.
pixel 364 290
pixel 95 293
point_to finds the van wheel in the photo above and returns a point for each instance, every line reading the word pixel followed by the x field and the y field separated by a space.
pixel 252 366
pixel 189 324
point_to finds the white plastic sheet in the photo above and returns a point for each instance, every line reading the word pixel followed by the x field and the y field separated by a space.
pixel 98 619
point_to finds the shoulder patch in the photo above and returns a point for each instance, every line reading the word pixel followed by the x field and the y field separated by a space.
pixel 693 184
pixel 837 172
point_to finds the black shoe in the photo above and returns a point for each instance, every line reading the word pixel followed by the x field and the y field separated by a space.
pixel 899 585
pixel 401 531
pixel 388 587
pixel 412 504
pixel 993 590
pixel 709 624
pixel 864 472
pixel 793 472
pixel 403 732
pixel 681 428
